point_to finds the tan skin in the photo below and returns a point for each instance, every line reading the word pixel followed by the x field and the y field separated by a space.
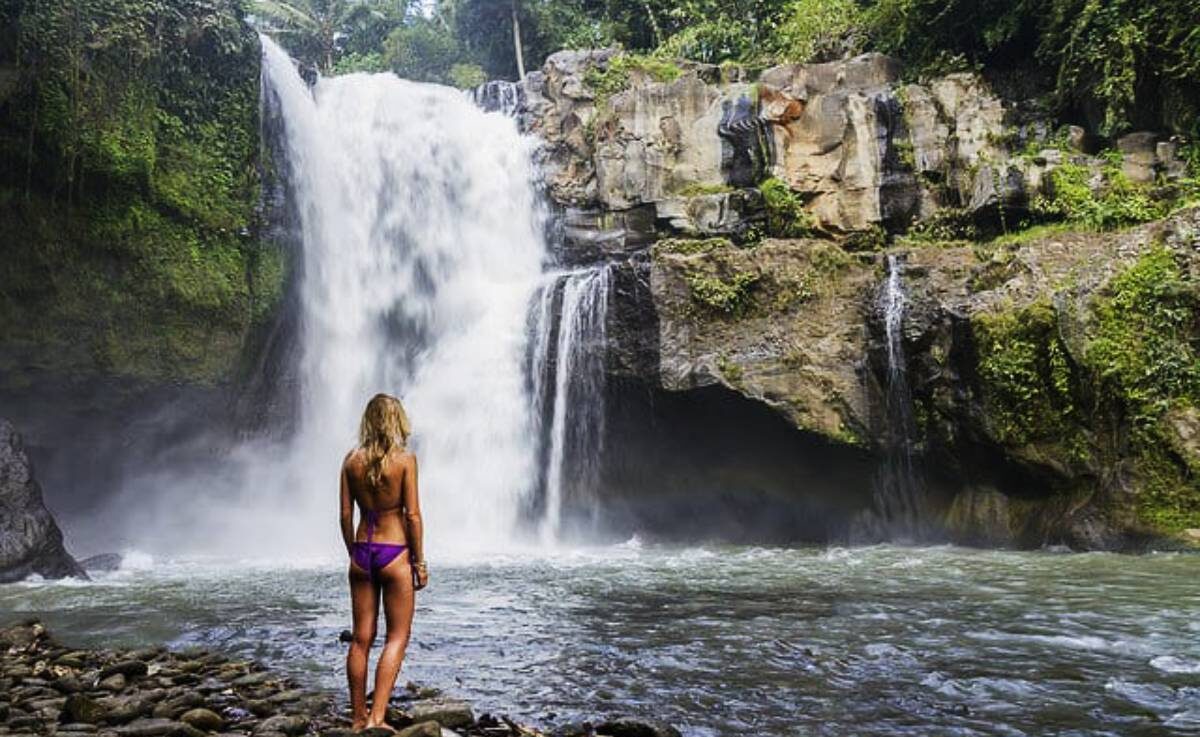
pixel 399 523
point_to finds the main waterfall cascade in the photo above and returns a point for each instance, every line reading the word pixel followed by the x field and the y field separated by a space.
pixel 422 250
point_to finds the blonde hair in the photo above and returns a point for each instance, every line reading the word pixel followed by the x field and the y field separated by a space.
pixel 384 426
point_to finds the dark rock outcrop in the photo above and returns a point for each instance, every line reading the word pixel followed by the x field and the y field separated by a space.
pixel 30 540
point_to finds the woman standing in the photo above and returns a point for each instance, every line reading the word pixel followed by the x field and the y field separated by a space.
pixel 386 554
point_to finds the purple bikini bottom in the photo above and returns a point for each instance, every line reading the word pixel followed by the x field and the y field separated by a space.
pixel 372 557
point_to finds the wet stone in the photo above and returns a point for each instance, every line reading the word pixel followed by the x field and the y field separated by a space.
pixel 152 727
pixel 289 725
pixel 421 729
pixel 628 727
pixel 54 702
pixel 204 719
pixel 115 682
pixel 127 668
pixel 337 732
pixel 77 727
pixel 252 679
pixel 446 712
pixel 80 708
pixel 172 708
pixel 284 697
pixel 260 708
pixel 397 717
pixel 67 684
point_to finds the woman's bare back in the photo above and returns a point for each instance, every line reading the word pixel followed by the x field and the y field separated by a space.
pixel 387 500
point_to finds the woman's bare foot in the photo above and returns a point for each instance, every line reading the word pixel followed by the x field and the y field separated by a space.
pixel 381 725
pixel 358 725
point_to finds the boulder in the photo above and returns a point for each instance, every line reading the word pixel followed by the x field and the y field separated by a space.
pixel 81 708
pixel 104 562
pixel 446 712
pixel 30 540
pixel 203 719
pixel 631 727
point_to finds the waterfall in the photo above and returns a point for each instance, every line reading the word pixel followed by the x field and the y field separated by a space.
pixel 567 373
pixel 498 95
pixel 422 249
pixel 899 493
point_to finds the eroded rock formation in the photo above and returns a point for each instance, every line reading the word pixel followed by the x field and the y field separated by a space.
pixel 30 541
pixel 1027 434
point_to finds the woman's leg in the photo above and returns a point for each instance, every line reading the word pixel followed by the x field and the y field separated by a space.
pixel 364 602
pixel 398 609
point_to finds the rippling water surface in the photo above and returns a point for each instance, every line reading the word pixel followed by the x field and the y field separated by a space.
pixel 721 641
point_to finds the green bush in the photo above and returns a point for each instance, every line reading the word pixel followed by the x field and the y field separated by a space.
pixel 726 295
pixel 615 75
pixel 820 30
pixel 1111 201
pixel 1144 350
pixel 786 216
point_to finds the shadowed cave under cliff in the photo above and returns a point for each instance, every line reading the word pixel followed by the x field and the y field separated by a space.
pixel 710 464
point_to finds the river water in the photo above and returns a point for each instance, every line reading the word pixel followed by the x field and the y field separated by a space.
pixel 717 640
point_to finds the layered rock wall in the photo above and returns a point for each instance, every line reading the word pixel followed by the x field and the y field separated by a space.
pixel 1025 436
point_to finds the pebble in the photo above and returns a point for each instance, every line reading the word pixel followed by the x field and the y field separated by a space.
pixel 446 712
pixel 82 709
pixel 115 682
pixel 252 679
pixel 127 668
pixel 204 719
pixel 47 690
pixel 628 727
pixel 153 727
pixel 287 724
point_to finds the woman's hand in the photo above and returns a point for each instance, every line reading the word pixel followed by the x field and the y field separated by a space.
pixel 420 575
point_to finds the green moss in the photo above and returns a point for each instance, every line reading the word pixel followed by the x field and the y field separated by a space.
pixel 947 225
pixel 728 295
pixel 697 189
pixel 1169 498
pixel 690 246
pixel 786 216
pixel 905 153
pixel 1026 380
pixel 616 75
pixel 1144 350
pixel 1032 233
pixel 130 221
pixel 1117 201
pixel 729 369
pixel 874 238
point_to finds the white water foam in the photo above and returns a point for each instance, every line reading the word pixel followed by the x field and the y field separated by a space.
pixel 422 249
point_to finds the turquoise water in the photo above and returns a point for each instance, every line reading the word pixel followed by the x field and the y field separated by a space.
pixel 717 640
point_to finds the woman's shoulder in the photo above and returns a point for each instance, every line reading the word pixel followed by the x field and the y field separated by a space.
pixel 353 457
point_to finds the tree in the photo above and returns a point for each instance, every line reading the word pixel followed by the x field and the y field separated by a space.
pixel 311 29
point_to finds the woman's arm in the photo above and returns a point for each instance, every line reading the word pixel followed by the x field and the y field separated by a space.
pixel 415 527
pixel 346 514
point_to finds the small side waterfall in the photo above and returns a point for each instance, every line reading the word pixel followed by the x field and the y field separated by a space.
pixel 566 370
pixel 899 493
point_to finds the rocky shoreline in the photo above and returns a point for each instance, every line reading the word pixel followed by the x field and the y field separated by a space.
pixel 49 688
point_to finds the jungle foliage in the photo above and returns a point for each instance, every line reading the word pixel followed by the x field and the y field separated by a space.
pixel 129 147
pixel 1118 64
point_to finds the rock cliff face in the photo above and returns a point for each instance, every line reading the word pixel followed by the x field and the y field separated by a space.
pixel 30 541
pixel 1048 409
